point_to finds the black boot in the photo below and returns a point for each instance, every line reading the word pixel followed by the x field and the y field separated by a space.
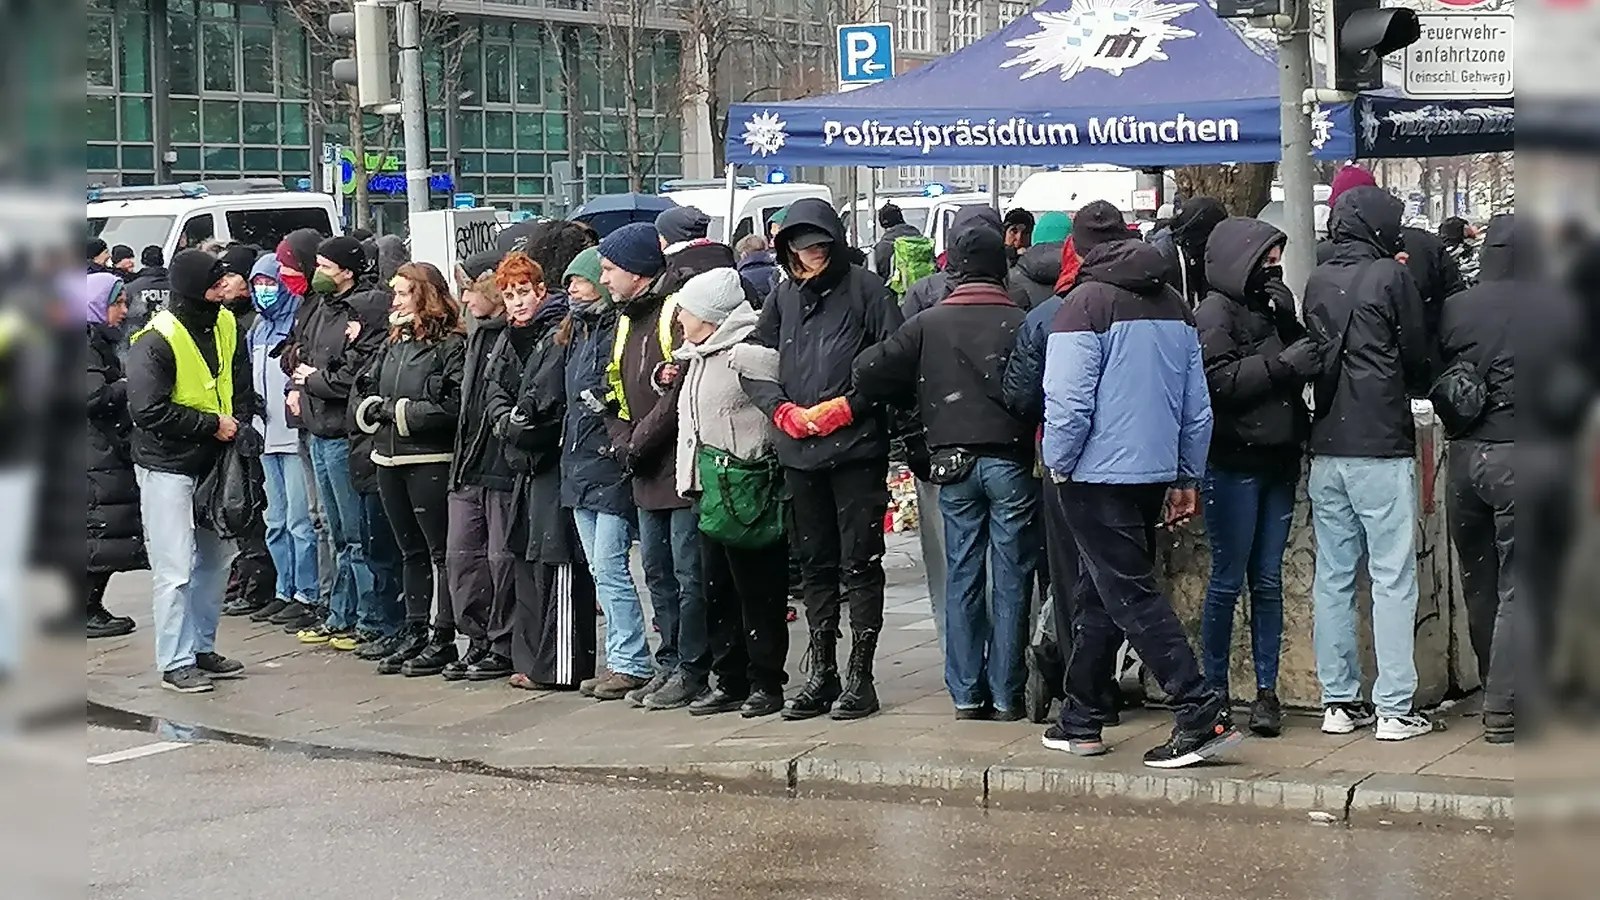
pixel 457 670
pixel 816 697
pixel 440 652
pixel 413 640
pixel 860 698
pixel 102 623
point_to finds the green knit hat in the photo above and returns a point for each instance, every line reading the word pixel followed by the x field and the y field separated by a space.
pixel 587 266
pixel 1052 227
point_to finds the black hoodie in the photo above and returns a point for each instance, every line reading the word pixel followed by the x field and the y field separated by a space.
pixel 1477 325
pixel 1033 278
pixel 1260 418
pixel 1363 306
pixel 821 325
pixel 1186 251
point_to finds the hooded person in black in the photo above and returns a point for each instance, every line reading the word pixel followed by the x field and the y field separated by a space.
pixel 1476 332
pixel 1258 361
pixel 893 223
pixel 949 361
pixel 833 444
pixel 1363 308
pixel 1185 245
pixel 933 288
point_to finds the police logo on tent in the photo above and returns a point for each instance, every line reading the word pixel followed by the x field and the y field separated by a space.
pixel 1111 35
pixel 1321 127
pixel 764 133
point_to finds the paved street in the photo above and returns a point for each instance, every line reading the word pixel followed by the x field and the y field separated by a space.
pixel 243 823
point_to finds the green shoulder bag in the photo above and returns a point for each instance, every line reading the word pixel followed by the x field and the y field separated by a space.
pixel 741 501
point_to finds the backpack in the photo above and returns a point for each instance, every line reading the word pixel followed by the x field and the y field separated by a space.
pixel 1460 398
pixel 912 261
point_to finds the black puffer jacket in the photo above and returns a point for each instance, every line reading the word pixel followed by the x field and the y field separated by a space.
pixel 411 400
pixel 1260 419
pixel 819 326
pixel 1033 278
pixel 1477 326
pixel 1363 307
pixel 322 340
pixel 590 478
pixel 115 536
pixel 480 460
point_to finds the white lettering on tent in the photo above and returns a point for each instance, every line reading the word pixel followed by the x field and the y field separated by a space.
pixel 1020 131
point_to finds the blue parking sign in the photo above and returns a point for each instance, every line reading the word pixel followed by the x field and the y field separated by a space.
pixel 866 53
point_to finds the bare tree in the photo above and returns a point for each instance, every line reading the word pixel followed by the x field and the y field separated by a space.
pixel 1244 188
pixel 733 47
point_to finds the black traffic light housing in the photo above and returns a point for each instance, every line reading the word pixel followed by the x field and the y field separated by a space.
pixel 1363 34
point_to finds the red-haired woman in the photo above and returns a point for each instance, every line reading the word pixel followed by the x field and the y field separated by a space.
pixel 412 398
pixel 552 623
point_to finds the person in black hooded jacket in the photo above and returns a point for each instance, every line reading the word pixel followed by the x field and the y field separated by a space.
pixel 115 539
pixel 1476 329
pixel 1184 245
pixel 833 444
pixel 1258 361
pixel 930 289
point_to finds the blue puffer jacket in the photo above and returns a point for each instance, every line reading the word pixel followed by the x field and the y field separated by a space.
pixel 271 328
pixel 588 479
pixel 1125 394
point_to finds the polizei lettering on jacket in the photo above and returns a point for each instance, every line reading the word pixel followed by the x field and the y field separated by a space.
pixel 474 237
pixel 1019 131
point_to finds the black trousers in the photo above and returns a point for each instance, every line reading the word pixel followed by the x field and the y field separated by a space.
pixel 94 589
pixel 482 568
pixel 415 500
pixel 253 576
pixel 1114 526
pixel 1061 559
pixel 1483 518
pixel 553 623
pixel 838 535
pixel 746 593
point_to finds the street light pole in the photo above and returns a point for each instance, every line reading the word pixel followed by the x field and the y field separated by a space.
pixel 413 108
pixel 1296 170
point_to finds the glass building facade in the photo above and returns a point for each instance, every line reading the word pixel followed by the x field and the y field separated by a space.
pixel 188 89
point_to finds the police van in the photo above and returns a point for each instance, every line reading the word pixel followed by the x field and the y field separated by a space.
pixel 754 203
pixel 177 216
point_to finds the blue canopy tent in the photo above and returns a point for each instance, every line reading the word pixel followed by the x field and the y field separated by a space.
pixel 1387 124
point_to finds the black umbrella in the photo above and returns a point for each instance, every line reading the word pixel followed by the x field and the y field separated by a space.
pixel 609 212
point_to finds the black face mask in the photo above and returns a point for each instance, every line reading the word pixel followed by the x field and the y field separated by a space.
pixel 1261 276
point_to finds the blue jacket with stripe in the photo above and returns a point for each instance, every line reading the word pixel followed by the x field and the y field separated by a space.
pixel 1125 397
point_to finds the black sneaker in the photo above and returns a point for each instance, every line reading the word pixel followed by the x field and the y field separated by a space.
pixel 1056 738
pixel 719 700
pixel 305 617
pixel 187 680
pixel 680 690
pixel 218 666
pixel 291 612
pixel 102 624
pixel 1188 748
pixel 265 613
pixel 1008 715
pixel 457 671
pixel 492 667
pixel 378 648
pixel 762 702
pixel 973 714
pixel 243 606
pixel 1266 714
pixel 638 696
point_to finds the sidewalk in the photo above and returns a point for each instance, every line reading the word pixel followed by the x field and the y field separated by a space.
pixel 913 752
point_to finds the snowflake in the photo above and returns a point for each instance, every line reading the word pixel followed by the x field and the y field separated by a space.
pixel 1112 35
pixel 1321 127
pixel 1369 125
pixel 764 133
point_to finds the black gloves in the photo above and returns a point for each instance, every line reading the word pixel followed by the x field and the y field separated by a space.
pixel 1303 358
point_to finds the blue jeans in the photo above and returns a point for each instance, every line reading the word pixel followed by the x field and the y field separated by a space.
pixel 1365 505
pixel 669 547
pixel 607 538
pixel 1247 520
pixel 188 568
pixel 342 510
pixel 290 537
pixel 991 517
pixel 386 609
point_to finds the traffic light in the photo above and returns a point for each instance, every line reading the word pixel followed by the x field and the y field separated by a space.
pixel 1363 33
pixel 368 27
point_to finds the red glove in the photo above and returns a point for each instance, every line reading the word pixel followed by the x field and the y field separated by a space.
pixel 830 416
pixel 791 420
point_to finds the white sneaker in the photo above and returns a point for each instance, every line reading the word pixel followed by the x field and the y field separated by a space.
pixel 1345 718
pixel 1400 728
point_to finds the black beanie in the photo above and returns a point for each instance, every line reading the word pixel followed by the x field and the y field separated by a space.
pixel 345 252
pixel 193 272
pixel 1098 223
pixel 240 259
pixel 682 223
pixel 481 262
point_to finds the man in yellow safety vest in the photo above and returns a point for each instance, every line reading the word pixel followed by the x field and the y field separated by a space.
pixel 188 390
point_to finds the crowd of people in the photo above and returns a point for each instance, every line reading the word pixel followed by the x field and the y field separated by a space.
pixel 474 465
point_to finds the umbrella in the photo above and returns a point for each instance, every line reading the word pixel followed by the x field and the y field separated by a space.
pixel 609 212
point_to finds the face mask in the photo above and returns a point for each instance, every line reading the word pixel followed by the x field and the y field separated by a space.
pixel 1263 276
pixel 323 283
pixel 295 282
pixel 266 296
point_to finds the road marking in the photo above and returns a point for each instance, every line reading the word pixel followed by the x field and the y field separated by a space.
pixel 140 752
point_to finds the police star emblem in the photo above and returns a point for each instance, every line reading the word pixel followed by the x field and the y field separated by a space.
pixel 1111 35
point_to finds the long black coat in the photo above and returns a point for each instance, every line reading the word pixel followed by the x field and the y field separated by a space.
pixel 115 536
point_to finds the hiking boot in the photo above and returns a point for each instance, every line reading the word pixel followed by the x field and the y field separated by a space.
pixel 492 667
pixel 586 687
pixel 617 685
pixel 762 702
pixel 218 666
pixel 719 700
pixel 457 671
pixel 1345 718
pixel 102 624
pixel 1266 714
pixel 1500 728
pixel 680 690
pixel 859 698
pixel 266 613
pixel 1056 738
pixel 378 647
pixel 440 652
pixel 640 694
pixel 1188 748
pixel 413 639
pixel 187 680
pixel 817 695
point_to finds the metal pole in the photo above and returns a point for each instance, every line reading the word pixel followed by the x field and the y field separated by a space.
pixel 872 203
pixel 1296 170
pixel 733 203
pixel 413 108
pixel 854 225
pixel 994 188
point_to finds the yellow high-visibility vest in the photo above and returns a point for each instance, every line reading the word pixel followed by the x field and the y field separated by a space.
pixel 195 386
pixel 624 327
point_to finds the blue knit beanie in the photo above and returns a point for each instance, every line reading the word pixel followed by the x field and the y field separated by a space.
pixel 635 248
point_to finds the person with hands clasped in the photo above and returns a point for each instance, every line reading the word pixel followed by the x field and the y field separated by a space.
pixel 188 388
pixel 1258 361
pixel 834 447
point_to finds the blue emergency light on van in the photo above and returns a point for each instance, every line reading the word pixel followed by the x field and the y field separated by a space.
pixel 935 189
